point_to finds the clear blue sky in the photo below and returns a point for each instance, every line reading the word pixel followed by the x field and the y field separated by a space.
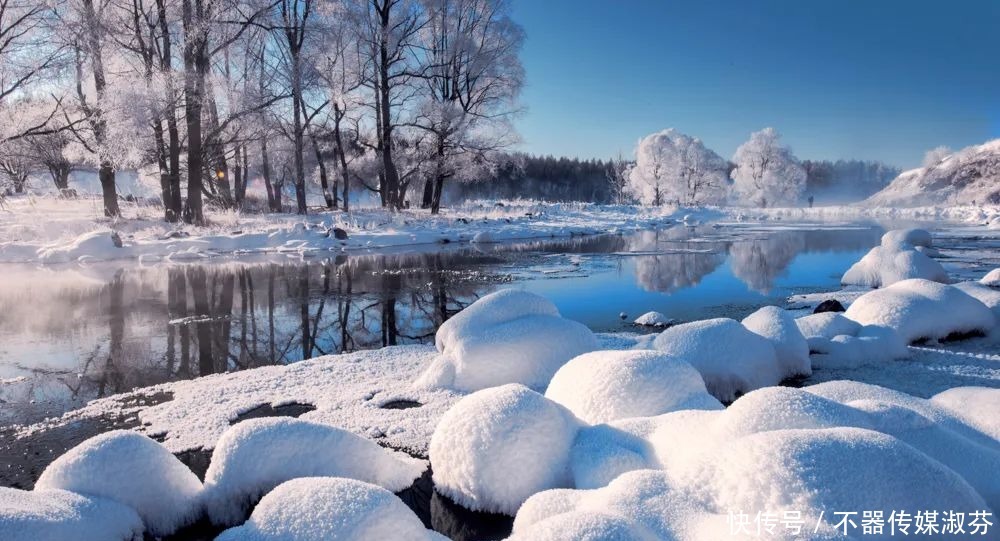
pixel 871 79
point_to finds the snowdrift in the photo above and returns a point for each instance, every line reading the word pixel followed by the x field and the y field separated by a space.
pixel 58 515
pixel 790 346
pixel 901 256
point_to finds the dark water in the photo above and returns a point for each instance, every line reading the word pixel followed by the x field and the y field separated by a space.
pixel 72 334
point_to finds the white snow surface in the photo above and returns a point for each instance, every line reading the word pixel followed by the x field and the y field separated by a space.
pixel 330 509
pixel 134 470
pixel 919 309
pixel 790 345
pixel 897 258
pixel 498 446
pixel 604 386
pixel 908 237
pixel 59 515
pixel 826 325
pixel 654 319
pixel 731 359
pixel 968 176
pixel 990 296
pixel 979 407
pixel 510 336
pixel 257 455
pixel 869 344
pixel 992 278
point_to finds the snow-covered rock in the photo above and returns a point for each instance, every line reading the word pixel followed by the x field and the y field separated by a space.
pixel 919 309
pixel 510 336
pixel 908 237
pixel 731 359
pixel 985 294
pixel 134 470
pixel 826 325
pixel 654 319
pixel 498 446
pixel 979 407
pixel 870 344
pixel 790 345
pixel 991 279
pixel 257 455
pixel 889 263
pixel 330 509
pixel 59 515
pixel 483 237
pixel 969 176
pixel 603 386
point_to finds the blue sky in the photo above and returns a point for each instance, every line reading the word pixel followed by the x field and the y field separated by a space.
pixel 871 79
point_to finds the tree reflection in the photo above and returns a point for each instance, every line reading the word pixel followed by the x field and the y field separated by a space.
pixel 758 262
pixel 677 263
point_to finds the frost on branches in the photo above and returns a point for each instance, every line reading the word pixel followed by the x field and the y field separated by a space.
pixel 672 167
pixel 767 173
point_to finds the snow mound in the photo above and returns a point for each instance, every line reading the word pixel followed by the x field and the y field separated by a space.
pixel 909 237
pixel 257 455
pixel 330 509
pixel 991 279
pixel 790 346
pixel 731 359
pixel 654 319
pixel 603 386
pixel 510 336
pixel 890 263
pixel 483 237
pixel 496 447
pixel 871 344
pixel 58 515
pixel 985 294
pixel 133 470
pixel 581 526
pixel 915 309
pixel 976 406
pixel 826 325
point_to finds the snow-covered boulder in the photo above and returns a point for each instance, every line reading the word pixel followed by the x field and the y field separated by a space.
pixel 603 386
pixel 654 319
pixel 979 407
pixel 510 336
pixel 59 515
pixel 826 325
pixel 256 455
pixel 330 509
pixel 134 470
pixel 871 344
pixel 887 264
pixel 483 237
pixel 790 346
pixel 908 237
pixel 919 309
pixel 987 295
pixel 731 359
pixel 991 279
pixel 496 447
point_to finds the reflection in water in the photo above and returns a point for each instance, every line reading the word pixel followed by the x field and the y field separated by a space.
pixel 759 262
pixel 682 264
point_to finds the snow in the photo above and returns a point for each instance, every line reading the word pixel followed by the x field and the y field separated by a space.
pixel 898 258
pixel 58 515
pixel 257 455
pixel 870 344
pixel 604 386
pixel 498 446
pixel 916 308
pixel 731 359
pixel 509 336
pixel 992 278
pixel 133 470
pixel 826 325
pixel 330 509
pixel 654 319
pixel 790 346
pixel 976 406
pixel 985 294
pixel 968 176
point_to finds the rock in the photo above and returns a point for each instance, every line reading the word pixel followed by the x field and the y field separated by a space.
pixel 339 233
pixel 116 239
pixel 829 305
pixel 623 316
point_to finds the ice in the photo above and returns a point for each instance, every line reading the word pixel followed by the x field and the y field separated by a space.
pixel 979 407
pixel 330 509
pixel 60 515
pixel 604 386
pixel 134 470
pixel 922 309
pixel 895 260
pixel 992 278
pixel 498 446
pixel 790 345
pixel 826 325
pixel 654 319
pixel 510 336
pixel 257 455
pixel 731 359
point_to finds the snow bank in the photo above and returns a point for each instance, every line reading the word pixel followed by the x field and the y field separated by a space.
pixel 498 446
pixel 510 336
pixel 257 455
pixel 991 279
pixel 59 515
pixel 919 309
pixel 603 386
pixel 330 509
pixel 654 319
pixel 133 470
pixel 895 260
pixel 731 359
pixel 979 407
pixel 790 346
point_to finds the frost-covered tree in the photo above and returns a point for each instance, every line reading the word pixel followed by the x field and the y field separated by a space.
pixel 672 167
pixel 767 173
pixel 936 155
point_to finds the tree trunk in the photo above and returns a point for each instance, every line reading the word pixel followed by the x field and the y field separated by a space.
pixel 107 171
pixel 328 196
pixel 195 68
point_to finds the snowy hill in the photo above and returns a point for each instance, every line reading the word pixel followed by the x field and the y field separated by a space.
pixel 969 176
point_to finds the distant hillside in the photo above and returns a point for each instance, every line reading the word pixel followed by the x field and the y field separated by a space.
pixel 969 176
